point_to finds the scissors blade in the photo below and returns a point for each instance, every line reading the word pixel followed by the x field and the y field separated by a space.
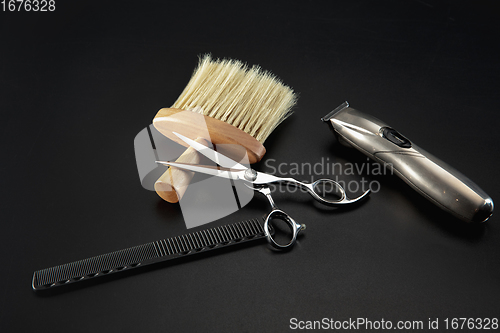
pixel 218 158
pixel 205 169
pixel 265 178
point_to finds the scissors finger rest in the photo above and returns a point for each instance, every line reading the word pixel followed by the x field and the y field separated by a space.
pixel 281 215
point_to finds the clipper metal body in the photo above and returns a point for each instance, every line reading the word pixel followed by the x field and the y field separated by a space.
pixel 431 177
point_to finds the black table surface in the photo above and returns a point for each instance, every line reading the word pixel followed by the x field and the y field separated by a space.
pixel 78 84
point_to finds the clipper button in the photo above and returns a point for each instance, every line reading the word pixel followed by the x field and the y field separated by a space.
pixel 395 137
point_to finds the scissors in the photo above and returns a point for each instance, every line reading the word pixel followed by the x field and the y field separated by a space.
pixel 260 181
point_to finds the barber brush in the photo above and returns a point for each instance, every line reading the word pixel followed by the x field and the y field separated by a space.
pixel 240 106
pixel 428 175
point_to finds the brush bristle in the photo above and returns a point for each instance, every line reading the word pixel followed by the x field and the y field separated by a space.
pixel 250 99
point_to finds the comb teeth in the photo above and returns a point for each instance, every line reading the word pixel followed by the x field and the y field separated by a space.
pixel 149 253
pixel 100 264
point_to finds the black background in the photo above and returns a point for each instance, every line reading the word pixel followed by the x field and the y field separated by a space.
pixel 78 84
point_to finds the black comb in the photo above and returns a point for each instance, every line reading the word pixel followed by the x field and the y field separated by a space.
pixel 147 254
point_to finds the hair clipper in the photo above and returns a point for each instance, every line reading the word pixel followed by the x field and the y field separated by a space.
pixel 432 178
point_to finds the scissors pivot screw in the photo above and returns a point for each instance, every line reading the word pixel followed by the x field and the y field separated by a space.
pixel 250 174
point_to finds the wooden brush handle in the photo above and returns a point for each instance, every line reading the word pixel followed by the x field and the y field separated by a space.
pixel 172 185
pixel 188 123
pixel 229 140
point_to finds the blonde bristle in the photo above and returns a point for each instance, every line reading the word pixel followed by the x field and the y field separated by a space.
pixel 250 99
